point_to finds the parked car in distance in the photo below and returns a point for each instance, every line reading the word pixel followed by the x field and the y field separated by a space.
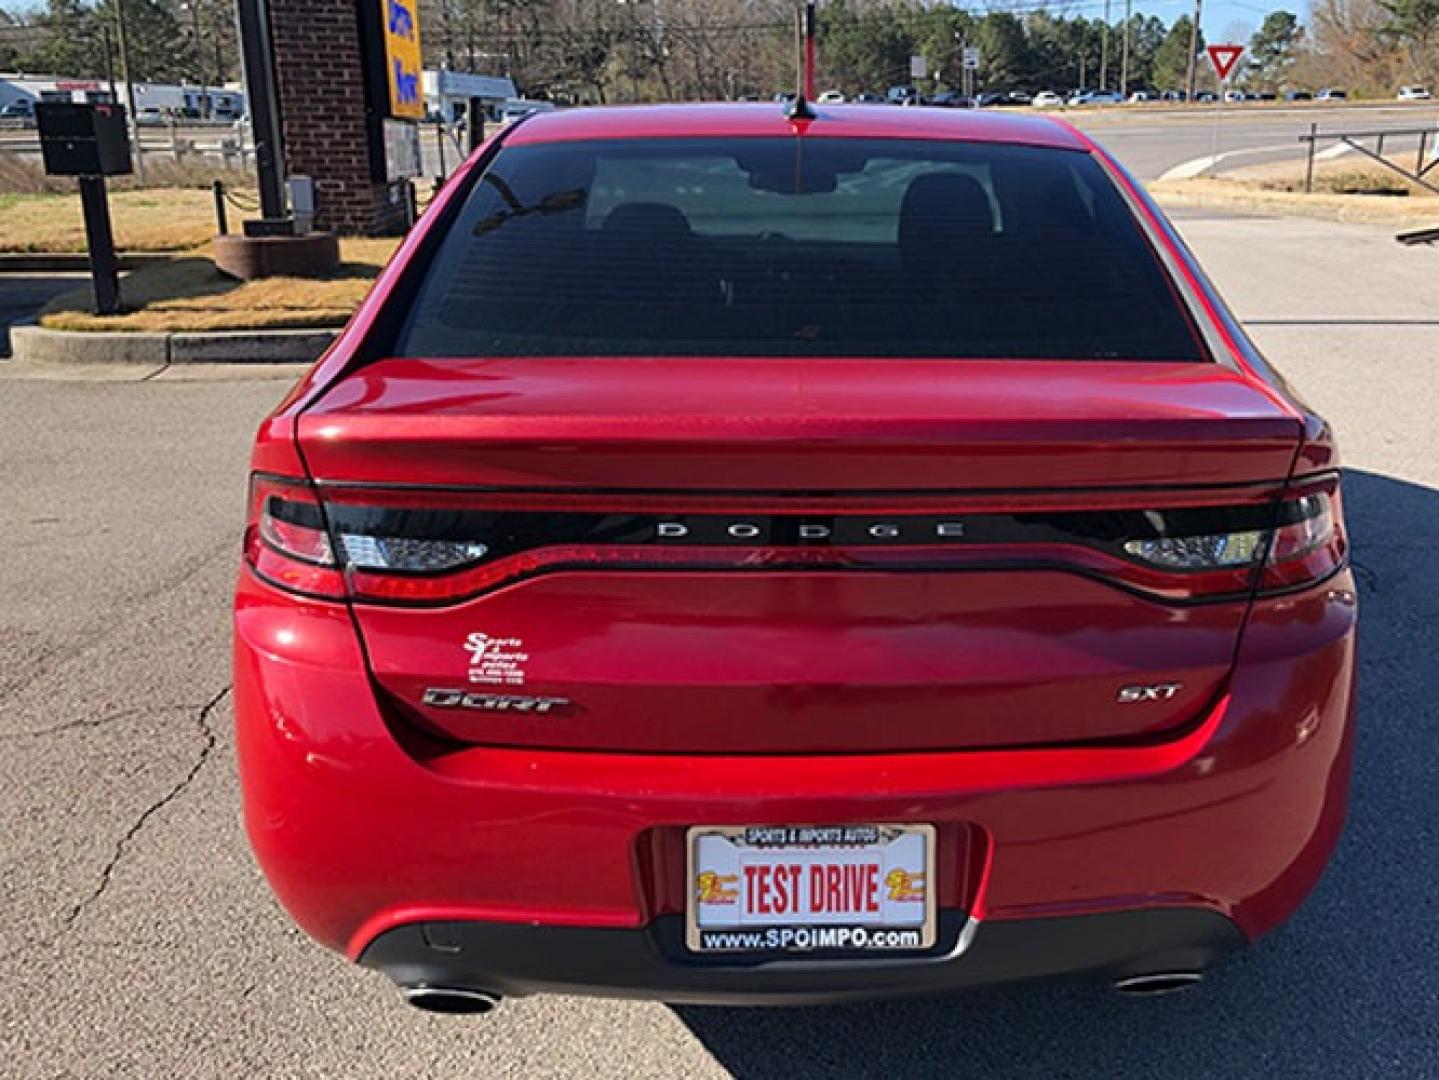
pixel 868 97
pixel 150 116
pixel 1234 96
pixel 651 594
pixel 21 111
pixel 1267 95
pixel 1206 96
pixel 951 99
pixel 519 108
pixel 1332 95
pixel 831 97
pixel 903 95
pixel 1046 99
pixel 1298 95
pixel 1097 97
pixel 1139 97
pixel 1413 93
pixel 1174 95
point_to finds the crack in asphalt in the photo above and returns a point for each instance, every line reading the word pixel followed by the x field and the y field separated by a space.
pixel 94 722
pixel 107 873
pixel 55 658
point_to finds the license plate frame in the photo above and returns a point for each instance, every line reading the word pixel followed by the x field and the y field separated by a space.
pixel 869 936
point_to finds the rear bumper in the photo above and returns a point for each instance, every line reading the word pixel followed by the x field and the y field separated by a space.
pixel 508 959
pixel 365 833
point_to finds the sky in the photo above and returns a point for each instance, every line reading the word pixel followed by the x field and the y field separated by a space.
pixel 1219 16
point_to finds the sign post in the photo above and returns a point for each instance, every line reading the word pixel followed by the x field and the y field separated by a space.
pixel 1225 59
pixel 396 91
pixel 258 64
pixel 89 142
pixel 970 61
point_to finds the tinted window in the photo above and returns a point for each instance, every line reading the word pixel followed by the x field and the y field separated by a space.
pixel 796 247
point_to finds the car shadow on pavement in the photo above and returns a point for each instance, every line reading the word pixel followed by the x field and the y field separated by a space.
pixel 1349 988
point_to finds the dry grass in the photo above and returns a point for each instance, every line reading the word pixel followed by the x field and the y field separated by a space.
pixel 189 294
pixel 1341 193
pixel 1349 175
pixel 161 219
pixel 23 175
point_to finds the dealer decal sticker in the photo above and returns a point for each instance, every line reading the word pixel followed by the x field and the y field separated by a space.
pixel 496 661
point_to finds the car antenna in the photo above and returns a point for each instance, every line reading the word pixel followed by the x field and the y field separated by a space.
pixel 800 108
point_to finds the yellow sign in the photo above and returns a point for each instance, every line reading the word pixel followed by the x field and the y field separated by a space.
pixel 402 58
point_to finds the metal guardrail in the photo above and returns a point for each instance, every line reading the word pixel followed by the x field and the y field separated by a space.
pixel 1428 141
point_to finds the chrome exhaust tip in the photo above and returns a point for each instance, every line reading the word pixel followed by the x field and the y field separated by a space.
pixel 451 1000
pixel 1155 983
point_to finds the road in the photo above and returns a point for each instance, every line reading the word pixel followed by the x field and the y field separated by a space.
pixel 21 295
pixel 140 939
pixel 1152 144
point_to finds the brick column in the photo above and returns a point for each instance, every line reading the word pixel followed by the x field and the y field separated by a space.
pixel 321 83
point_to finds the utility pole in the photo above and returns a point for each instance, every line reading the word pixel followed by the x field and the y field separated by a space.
pixel 194 8
pixel 109 62
pixel 129 90
pixel 1104 51
pixel 1190 73
pixel 1124 51
pixel 445 33
pixel 807 77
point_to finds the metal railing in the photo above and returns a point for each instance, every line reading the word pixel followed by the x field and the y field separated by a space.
pixel 1428 144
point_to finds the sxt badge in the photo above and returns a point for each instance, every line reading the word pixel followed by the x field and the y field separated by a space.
pixel 1129 695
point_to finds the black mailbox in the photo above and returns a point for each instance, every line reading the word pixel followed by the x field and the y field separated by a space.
pixel 83 140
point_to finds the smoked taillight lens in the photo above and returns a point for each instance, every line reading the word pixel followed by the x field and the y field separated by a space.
pixel 1309 542
pixel 1303 543
pixel 286 541
pixel 430 548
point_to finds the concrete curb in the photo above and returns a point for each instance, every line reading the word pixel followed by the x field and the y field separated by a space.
pixel 250 346
pixel 35 344
pixel 78 262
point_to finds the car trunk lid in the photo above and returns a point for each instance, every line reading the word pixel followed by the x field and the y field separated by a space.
pixel 582 630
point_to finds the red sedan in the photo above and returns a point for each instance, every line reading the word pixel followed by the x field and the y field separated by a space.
pixel 740 558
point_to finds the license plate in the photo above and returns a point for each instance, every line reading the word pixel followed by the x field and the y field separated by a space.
pixel 810 888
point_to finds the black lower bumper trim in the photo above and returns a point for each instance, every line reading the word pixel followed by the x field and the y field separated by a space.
pixel 514 959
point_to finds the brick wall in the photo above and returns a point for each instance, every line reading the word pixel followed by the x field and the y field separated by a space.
pixel 322 102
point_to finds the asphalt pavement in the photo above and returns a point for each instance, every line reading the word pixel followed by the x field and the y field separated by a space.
pixel 1234 136
pixel 21 295
pixel 140 940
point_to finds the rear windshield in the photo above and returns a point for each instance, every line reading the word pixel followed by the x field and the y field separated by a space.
pixel 793 247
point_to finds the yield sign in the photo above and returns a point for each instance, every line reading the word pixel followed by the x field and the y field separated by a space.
pixel 1224 57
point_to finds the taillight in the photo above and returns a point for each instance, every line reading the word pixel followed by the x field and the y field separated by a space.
pixel 434 548
pixel 286 541
pixel 1302 543
pixel 1309 542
